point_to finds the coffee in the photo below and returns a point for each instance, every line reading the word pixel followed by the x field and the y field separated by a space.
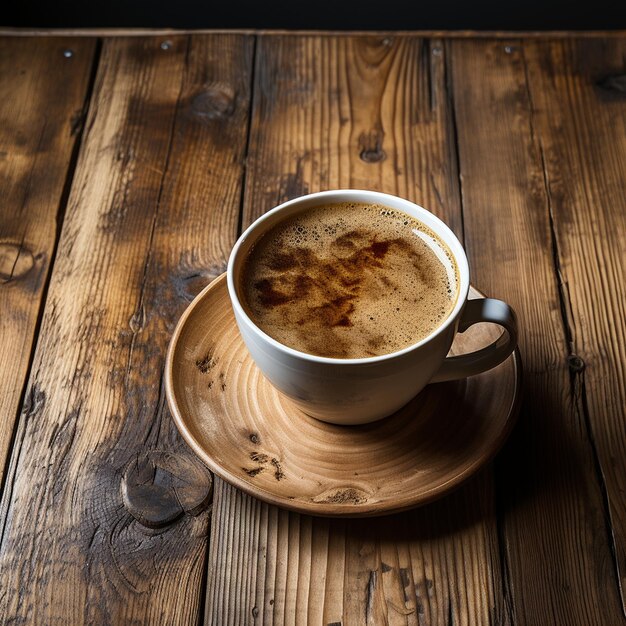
pixel 349 280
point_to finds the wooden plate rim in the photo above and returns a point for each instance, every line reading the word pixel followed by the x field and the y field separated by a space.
pixel 327 509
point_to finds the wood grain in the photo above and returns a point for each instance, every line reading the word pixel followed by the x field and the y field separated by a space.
pixel 300 569
pixel 550 499
pixel 372 113
pixel 151 216
pixel 583 147
pixel 362 113
pixel 42 100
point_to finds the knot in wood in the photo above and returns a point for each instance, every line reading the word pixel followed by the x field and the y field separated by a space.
pixel 575 363
pixel 159 487
pixel 15 261
pixel 371 147
pixel 215 102
pixel 372 156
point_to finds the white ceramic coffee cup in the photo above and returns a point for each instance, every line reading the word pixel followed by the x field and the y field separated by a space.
pixel 357 391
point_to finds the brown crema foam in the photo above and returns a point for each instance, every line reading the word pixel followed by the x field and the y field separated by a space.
pixel 349 281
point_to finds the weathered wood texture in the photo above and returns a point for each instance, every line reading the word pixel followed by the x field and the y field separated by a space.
pixel 151 218
pixel 516 185
pixel 42 96
pixel 583 146
pixel 374 113
pixel 426 566
pixel 529 134
pixel 360 112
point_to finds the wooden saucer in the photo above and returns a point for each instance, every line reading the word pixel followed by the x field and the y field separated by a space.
pixel 254 438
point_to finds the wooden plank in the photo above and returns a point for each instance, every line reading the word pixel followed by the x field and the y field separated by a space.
pixel 42 95
pixel 551 503
pixel 583 146
pixel 366 113
pixel 152 215
pixel 371 113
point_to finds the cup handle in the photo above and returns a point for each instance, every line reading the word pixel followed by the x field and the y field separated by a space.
pixel 475 311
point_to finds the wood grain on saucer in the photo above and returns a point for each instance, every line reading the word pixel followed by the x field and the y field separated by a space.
pixel 253 437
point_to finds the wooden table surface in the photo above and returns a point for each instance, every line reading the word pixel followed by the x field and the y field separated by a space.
pixel 128 167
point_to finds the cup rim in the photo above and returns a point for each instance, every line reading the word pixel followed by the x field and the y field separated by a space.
pixel 440 228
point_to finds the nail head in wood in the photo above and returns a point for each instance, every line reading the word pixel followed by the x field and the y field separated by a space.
pixel 615 83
